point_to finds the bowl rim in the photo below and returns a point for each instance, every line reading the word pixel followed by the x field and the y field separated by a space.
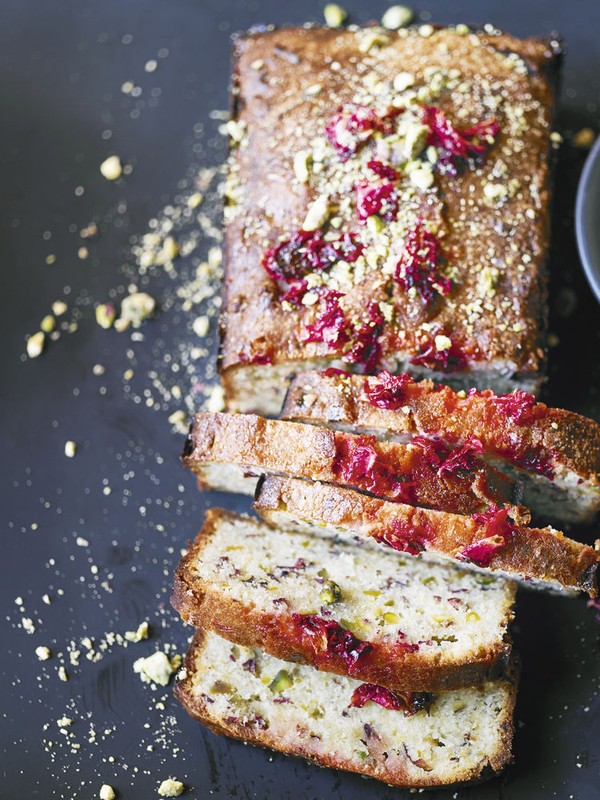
pixel 583 228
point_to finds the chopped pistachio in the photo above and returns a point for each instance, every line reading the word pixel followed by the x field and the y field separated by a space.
pixel 171 788
pixel 48 324
pixel 106 792
pixel 62 674
pixel 372 38
pixel 317 214
pixel 236 130
pixel 122 324
pixel 415 139
pixel 282 681
pixel 422 178
pixel 313 90
pixel 257 64
pixel 59 308
pixel 462 29
pixel 403 81
pixel 70 449
pixel 139 634
pixel 43 653
pixel 374 224
pixel 426 31
pixel 170 249
pixel 194 200
pixel 137 307
pixel 105 315
pixel 200 326
pixel 334 15
pixel 302 162
pixel 35 344
pixel 442 343
pixel 397 17
pixel 495 191
pixel 473 616
pixel 331 593
pixel 111 168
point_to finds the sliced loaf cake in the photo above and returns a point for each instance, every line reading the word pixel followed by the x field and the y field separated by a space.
pixel 555 453
pixel 537 557
pixel 451 737
pixel 345 607
pixel 229 452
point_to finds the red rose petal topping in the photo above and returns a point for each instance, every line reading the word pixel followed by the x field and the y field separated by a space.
pixel 331 372
pixel 463 144
pixel 535 460
pixel 379 199
pixel 408 702
pixel 330 324
pixel 327 638
pixel 419 264
pixel 306 251
pixel 463 459
pixel 387 390
pixel 499 531
pixel 358 463
pixel 383 170
pixel 366 347
pixel 405 537
pixel 449 360
pixel 519 406
pixel 350 127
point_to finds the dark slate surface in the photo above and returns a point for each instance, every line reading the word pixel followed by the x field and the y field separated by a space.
pixel 61 68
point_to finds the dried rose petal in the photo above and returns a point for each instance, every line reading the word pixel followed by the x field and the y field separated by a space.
pixel 419 264
pixel 404 537
pixel 379 199
pixel 450 359
pixel 366 347
pixel 387 390
pixel 330 326
pixel 463 144
pixel 383 170
pixel 463 459
pixel 518 405
pixel 408 702
pixel 304 252
pixel 358 463
pixel 327 638
pixel 499 530
pixel 350 127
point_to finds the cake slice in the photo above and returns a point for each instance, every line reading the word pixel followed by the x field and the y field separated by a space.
pixel 387 206
pixel 229 452
pixel 345 607
pixel 553 452
pixel 334 721
pixel 537 557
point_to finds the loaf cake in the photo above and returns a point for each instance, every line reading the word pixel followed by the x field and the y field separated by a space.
pixel 536 557
pixel 335 721
pixel 229 452
pixel 346 607
pixel 386 207
pixel 553 452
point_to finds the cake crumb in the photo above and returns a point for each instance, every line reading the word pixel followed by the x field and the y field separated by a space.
pixel 106 792
pixel 43 653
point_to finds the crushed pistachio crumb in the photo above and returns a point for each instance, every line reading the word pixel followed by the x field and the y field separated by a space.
pixel 35 344
pixel 106 792
pixel 111 168
pixel 70 449
pixel 139 634
pixel 334 15
pixel 397 17
pixel 59 308
pixel 136 308
pixel 48 324
pixel 105 315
